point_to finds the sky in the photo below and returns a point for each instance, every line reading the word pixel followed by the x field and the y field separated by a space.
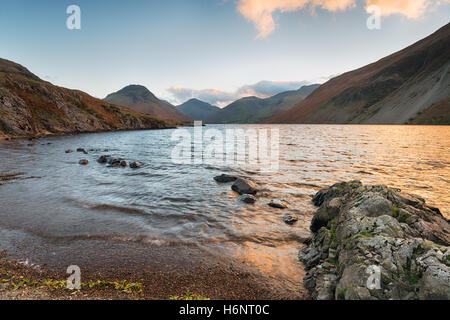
pixel 215 50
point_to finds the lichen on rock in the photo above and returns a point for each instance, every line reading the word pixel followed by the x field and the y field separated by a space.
pixel 374 242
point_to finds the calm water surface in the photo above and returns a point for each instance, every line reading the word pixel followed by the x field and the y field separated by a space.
pixel 165 204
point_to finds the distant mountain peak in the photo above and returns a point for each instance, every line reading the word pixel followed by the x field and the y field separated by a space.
pixel 197 109
pixel 135 87
pixel 140 99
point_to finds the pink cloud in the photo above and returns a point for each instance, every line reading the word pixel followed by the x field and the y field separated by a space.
pixel 260 12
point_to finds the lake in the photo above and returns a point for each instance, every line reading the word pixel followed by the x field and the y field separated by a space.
pixel 167 214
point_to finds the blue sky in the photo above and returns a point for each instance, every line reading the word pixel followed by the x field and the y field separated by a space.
pixel 202 48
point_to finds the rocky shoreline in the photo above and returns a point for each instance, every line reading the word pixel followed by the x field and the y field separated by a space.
pixel 376 243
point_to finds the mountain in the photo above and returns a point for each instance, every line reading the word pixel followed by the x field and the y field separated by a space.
pixel 140 99
pixel 410 86
pixel 197 109
pixel 254 110
pixel 30 107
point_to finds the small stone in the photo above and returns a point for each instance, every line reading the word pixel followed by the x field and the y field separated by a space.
pixel 244 186
pixel 225 178
pixel 290 218
pixel 247 198
pixel 69 151
pixel 84 162
pixel 82 150
pixel 103 159
pixel 124 163
pixel 279 204
pixel 114 161
pixel 135 165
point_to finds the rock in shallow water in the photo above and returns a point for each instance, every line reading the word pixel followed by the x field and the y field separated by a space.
pixel 365 233
pixel 244 186
pixel 279 204
pixel 290 218
pixel 114 162
pixel 103 159
pixel 135 165
pixel 84 162
pixel 248 198
pixel 225 178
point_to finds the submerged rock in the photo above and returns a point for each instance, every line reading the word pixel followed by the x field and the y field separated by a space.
pixel 374 242
pixel 279 204
pixel 247 198
pixel 124 163
pixel 244 186
pixel 69 151
pixel 290 218
pixel 84 162
pixel 114 162
pixel 135 165
pixel 82 150
pixel 103 159
pixel 225 178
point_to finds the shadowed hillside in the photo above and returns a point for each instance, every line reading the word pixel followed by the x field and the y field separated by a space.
pixel 254 110
pixel 395 90
pixel 197 109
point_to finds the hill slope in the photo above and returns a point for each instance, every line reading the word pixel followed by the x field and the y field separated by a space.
pixel 197 109
pixel 393 90
pixel 140 99
pixel 30 106
pixel 254 110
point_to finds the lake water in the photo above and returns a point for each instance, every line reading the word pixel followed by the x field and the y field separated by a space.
pixel 66 209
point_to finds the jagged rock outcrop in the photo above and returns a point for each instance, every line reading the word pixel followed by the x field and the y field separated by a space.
pixel 374 242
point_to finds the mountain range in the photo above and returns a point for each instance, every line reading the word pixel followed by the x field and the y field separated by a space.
pixel 254 109
pixel 197 109
pixel 410 86
pixel 30 106
pixel 140 99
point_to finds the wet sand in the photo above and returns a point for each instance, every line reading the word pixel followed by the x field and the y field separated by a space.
pixel 163 273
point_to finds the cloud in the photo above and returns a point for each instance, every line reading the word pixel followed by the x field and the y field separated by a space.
pixel 261 12
pixel 262 89
pixel 412 9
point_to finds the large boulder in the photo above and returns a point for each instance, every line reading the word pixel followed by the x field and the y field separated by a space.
pixel 244 186
pixel 374 242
